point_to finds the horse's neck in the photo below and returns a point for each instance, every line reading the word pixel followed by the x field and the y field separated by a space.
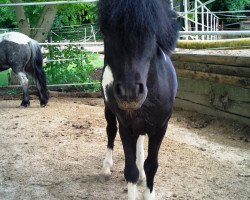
pixel 157 61
pixel 160 68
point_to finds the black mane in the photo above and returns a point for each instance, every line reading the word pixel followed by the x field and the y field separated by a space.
pixel 132 21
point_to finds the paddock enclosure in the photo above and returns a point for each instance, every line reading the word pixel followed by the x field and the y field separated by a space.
pixel 56 152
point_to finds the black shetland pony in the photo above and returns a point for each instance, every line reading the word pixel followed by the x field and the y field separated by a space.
pixel 139 83
pixel 23 55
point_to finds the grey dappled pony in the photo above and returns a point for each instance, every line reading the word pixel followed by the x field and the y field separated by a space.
pixel 23 55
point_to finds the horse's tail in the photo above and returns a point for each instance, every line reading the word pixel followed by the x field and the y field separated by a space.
pixel 38 72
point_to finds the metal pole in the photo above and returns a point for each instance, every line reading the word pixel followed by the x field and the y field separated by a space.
pixel 215 37
pixel 219 12
pixel 217 27
pixel 211 23
pixel 196 17
pixel 47 3
pixel 93 32
pixel 208 37
pixel 208 2
pixel 85 34
pixel 202 21
pixel 172 4
pixel 238 33
pixel 186 16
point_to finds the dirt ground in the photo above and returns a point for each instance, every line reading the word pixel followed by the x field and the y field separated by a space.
pixel 56 153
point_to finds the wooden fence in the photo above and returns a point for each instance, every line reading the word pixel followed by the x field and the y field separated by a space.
pixel 214 84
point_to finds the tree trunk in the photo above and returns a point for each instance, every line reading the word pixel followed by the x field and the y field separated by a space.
pixel 23 24
pixel 45 23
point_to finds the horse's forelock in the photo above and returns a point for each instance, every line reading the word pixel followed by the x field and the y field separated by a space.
pixel 133 21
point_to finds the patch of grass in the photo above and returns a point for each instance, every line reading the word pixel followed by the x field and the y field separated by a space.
pixel 96 60
pixel 5 78
pixel 209 44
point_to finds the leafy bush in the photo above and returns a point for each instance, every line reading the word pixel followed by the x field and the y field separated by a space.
pixel 67 65
pixel 75 14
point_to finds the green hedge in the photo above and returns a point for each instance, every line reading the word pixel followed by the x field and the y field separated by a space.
pixel 5 78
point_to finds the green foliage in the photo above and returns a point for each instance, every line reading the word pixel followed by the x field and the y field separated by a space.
pixel 191 16
pixel 228 5
pixel 97 60
pixel 224 5
pixel 70 65
pixel 75 14
pixel 5 77
pixel 68 14
pixel 8 18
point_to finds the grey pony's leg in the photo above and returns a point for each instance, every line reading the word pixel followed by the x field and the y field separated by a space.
pixel 25 84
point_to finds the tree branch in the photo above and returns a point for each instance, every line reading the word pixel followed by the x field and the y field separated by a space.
pixel 45 23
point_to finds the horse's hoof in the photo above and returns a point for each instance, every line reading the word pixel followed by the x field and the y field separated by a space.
pixel 25 104
pixel 43 102
pixel 103 178
pixel 147 195
pixel 106 171
pixel 43 105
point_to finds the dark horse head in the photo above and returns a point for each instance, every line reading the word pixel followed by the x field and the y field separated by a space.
pixel 133 31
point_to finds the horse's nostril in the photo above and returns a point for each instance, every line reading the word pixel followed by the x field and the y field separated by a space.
pixel 119 90
pixel 126 92
pixel 139 88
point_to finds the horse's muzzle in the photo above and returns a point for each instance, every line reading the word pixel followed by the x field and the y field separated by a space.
pixel 129 106
pixel 130 97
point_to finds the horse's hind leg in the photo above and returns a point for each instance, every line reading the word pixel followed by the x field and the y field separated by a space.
pixel 111 132
pixel 43 94
pixel 38 74
pixel 25 84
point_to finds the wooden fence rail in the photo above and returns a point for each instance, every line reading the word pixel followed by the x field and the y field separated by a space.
pixel 214 84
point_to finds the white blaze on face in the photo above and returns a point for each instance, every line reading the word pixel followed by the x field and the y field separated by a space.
pixel 107 80
pixel 15 37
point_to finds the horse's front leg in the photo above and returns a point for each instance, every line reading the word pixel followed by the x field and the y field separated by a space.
pixel 151 163
pixel 111 133
pixel 140 159
pixel 25 85
pixel 131 171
